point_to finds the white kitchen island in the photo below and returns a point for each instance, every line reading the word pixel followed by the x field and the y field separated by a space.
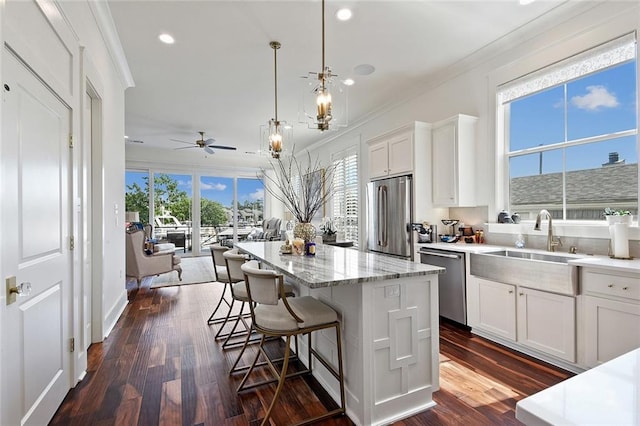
pixel 388 308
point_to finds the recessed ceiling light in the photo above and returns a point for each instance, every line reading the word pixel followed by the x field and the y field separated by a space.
pixel 364 69
pixel 126 137
pixel 348 82
pixel 525 2
pixel 166 38
pixel 344 14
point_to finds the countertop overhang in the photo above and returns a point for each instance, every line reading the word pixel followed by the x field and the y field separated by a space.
pixel 605 395
pixel 333 266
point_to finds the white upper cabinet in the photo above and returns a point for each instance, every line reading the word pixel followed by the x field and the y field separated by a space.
pixel 453 161
pixel 391 156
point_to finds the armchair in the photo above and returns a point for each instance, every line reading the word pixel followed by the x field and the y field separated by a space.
pixel 140 264
pixel 271 230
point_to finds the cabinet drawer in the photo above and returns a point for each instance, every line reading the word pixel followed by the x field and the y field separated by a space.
pixel 601 284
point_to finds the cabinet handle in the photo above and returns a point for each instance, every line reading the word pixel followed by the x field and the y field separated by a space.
pixel 610 286
pixel 625 288
pixel 510 291
pixel 521 294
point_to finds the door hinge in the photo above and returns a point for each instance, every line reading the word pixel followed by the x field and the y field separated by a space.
pixel 72 344
pixel 70 141
pixel 72 242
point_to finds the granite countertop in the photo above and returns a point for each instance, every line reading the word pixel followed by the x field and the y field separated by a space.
pixel 333 266
pixel 605 262
pixel 605 395
pixel 580 259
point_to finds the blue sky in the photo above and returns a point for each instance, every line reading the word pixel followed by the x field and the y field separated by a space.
pixel 214 188
pixel 601 103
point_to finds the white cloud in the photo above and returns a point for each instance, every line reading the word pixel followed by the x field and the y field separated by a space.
pixel 215 186
pixel 597 98
pixel 257 195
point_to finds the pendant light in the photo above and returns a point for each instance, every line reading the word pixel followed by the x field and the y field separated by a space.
pixel 275 126
pixel 325 89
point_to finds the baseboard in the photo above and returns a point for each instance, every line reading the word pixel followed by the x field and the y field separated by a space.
pixel 114 313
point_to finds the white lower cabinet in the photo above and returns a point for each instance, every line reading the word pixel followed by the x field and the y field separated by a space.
pixel 492 307
pixel 611 312
pixel 530 318
pixel 547 322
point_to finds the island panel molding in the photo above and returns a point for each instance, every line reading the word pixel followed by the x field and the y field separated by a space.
pixel 388 308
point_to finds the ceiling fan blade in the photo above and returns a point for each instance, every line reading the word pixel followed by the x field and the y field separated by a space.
pixel 208 150
pixel 209 141
pixel 233 148
pixel 187 147
pixel 178 140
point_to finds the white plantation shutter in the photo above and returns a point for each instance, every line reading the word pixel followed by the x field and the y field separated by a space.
pixel 345 193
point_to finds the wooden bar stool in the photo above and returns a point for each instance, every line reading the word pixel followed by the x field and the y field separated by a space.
pixel 273 314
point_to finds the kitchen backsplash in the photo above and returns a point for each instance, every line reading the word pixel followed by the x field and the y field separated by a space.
pixel 476 217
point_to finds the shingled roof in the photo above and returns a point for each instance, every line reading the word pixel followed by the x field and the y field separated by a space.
pixel 609 184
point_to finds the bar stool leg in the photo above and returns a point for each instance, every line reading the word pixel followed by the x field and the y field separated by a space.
pixel 212 319
pixel 283 376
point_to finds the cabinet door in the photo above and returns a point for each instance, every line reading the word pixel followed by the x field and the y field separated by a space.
pixel 378 160
pixel 445 165
pixel 492 307
pixel 401 155
pixel 611 329
pixel 547 322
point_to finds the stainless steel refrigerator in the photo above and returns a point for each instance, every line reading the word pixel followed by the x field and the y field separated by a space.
pixel 389 219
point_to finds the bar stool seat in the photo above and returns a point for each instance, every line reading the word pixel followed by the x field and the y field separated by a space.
pixel 307 308
pixel 275 314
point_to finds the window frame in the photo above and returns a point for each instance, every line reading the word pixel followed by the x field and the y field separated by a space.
pixel 502 120
pixel 342 156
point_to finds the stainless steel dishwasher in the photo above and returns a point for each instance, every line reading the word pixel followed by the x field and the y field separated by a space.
pixel 452 288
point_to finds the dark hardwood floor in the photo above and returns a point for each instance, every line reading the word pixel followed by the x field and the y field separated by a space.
pixel 161 366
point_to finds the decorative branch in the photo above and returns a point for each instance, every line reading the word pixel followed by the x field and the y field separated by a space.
pixel 315 185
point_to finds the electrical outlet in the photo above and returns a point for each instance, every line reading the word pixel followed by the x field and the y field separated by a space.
pixel 392 291
pixel 11 296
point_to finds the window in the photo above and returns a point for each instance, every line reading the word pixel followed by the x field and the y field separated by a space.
pixel 571 135
pixel 345 193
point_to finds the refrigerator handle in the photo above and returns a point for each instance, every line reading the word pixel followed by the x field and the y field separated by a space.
pixel 379 215
pixel 385 209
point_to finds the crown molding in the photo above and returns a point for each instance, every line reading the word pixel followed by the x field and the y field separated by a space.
pixel 106 26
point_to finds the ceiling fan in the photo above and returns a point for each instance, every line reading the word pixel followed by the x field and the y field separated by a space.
pixel 206 144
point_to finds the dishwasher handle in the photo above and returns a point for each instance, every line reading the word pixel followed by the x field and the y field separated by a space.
pixel 448 256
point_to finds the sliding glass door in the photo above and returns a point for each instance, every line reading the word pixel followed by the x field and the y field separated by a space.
pixel 216 210
pixel 194 211
pixel 172 206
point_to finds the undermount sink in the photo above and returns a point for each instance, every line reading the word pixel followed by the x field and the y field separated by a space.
pixel 532 269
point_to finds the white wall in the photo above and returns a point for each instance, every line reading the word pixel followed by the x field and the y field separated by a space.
pixel 469 86
pixel 109 74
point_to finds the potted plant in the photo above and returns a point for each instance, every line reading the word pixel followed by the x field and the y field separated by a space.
pixel 303 188
pixel 328 229
pixel 617 216
pixel 619 221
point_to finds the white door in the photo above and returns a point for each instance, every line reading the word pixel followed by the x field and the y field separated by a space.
pixel 34 247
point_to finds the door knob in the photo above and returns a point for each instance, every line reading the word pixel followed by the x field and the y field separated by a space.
pixel 13 290
pixel 22 289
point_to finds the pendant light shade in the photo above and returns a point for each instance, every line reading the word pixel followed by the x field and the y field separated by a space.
pixel 324 97
pixel 276 127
